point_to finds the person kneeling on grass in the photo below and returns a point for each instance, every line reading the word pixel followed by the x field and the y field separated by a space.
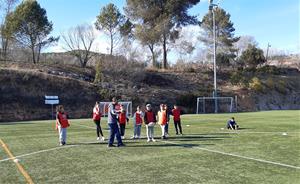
pixel 97 119
pixel 150 121
pixel 62 124
pixel 232 125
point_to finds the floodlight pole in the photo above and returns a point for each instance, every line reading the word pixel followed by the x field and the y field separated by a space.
pixel 211 7
pixel 268 51
pixel 52 111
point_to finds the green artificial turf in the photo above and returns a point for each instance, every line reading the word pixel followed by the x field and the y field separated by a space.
pixel 206 153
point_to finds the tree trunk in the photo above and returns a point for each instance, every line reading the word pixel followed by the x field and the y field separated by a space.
pixel 151 47
pixel 39 53
pixel 82 65
pixel 86 59
pixel 164 63
pixel 111 44
pixel 5 48
pixel 33 55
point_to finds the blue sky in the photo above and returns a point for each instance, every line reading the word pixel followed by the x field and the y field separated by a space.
pixel 273 21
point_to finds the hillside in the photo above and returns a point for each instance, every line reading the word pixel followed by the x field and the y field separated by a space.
pixel 23 90
pixel 24 85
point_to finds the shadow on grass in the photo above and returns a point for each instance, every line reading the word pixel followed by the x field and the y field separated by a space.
pixel 245 128
pixel 135 145
pixel 199 137
pixel 220 135
pixel 162 142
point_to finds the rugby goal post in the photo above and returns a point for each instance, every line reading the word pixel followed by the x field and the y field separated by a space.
pixel 104 107
pixel 224 104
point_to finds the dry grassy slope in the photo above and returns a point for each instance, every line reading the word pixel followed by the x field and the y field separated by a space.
pixel 183 87
pixel 22 94
pixel 23 87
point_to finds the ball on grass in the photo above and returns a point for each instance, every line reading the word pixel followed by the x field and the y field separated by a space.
pixel 16 160
pixel 284 133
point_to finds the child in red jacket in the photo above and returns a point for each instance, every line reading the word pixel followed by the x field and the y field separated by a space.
pixel 97 119
pixel 150 121
pixel 162 120
pixel 62 124
pixel 123 119
pixel 137 122
pixel 177 121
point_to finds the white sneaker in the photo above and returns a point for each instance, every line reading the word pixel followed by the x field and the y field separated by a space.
pixel 102 138
pixel 153 140
pixel 148 140
pixel 122 137
pixel 98 138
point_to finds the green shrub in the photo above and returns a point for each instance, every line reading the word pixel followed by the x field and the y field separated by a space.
pixel 104 93
pixel 268 70
pixel 281 87
pixel 270 83
pixel 235 78
pixel 253 56
pixel 99 74
pixel 239 78
pixel 256 85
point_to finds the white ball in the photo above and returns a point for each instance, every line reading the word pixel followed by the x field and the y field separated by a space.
pixel 16 160
pixel 187 125
pixel 284 133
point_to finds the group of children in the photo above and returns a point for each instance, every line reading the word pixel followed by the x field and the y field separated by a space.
pixel 149 118
pixel 118 116
pixel 118 119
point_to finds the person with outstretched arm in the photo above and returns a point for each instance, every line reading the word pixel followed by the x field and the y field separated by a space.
pixel 112 121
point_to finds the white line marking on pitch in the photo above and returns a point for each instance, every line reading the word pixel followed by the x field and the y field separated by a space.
pixel 260 132
pixel 239 156
pixel 41 151
pixel 234 155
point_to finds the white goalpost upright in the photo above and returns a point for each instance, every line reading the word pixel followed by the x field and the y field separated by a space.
pixel 207 104
pixel 104 107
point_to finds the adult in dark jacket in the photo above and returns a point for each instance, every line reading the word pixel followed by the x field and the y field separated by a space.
pixel 169 112
pixel 112 121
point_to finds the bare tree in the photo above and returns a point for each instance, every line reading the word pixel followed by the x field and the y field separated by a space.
pixel 79 41
pixel 243 44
